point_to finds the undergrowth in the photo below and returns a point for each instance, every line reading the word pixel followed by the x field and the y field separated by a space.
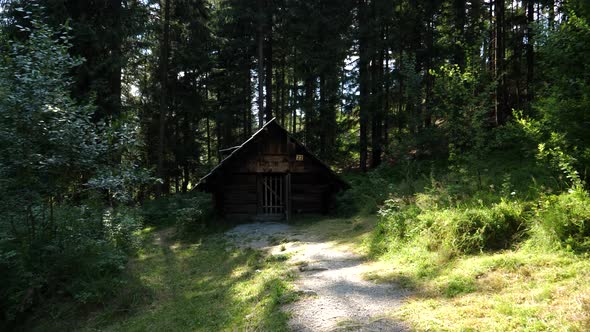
pixel 183 282
pixel 499 245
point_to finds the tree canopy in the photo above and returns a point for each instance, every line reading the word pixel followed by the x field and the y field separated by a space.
pixel 108 104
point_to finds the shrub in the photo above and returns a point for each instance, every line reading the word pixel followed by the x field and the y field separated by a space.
pixel 397 218
pixel 474 229
pixel 188 212
pixel 81 258
pixel 461 230
pixel 367 193
pixel 193 213
pixel 396 225
pixel 566 217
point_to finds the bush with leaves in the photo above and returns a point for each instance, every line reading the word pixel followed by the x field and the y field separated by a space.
pixel 566 218
pixel 368 192
pixel 57 235
pixel 190 212
pixel 564 100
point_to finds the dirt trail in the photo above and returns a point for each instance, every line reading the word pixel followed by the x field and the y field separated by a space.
pixel 334 295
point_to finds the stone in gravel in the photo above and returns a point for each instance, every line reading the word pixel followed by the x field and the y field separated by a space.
pixel 304 268
pixel 306 292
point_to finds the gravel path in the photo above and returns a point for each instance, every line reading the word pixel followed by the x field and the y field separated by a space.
pixel 334 296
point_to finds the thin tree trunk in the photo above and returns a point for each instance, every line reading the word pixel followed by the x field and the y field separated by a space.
pixel 248 102
pixel 500 68
pixel 186 178
pixel 283 94
pixel 460 19
pixel 377 121
pixel 323 110
pixel 530 55
pixel 208 129
pixel 551 16
pixel 163 97
pixel 363 83
pixel 309 109
pixel 260 63
pixel 429 79
pixel 294 102
pixel 400 106
pixel 387 79
pixel 268 111
pixel 115 77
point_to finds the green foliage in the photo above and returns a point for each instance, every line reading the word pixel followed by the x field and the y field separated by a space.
pixel 52 135
pixel 462 99
pixel 397 219
pixel 396 226
pixel 57 239
pixel 563 104
pixel 553 148
pixel 465 210
pixel 367 193
pixel 475 229
pixel 82 260
pixel 188 212
pixel 566 217
pixel 459 230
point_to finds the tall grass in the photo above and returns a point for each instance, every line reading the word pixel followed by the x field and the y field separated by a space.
pixel 496 246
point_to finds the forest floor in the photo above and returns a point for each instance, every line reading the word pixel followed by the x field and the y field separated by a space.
pixel 303 276
pixel 316 275
pixel 332 293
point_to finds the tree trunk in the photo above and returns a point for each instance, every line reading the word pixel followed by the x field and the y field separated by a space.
pixel 323 110
pixel 268 111
pixel 116 55
pixel 283 94
pixel 400 106
pixel 309 110
pixel 551 16
pixel 363 83
pixel 459 53
pixel 295 100
pixel 246 118
pixel 500 64
pixel 530 55
pixel 164 48
pixel 260 38
pixel 428 78
pixel 387 80
pixel 377 121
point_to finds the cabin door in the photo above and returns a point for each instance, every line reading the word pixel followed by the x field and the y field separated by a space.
pixel 272 195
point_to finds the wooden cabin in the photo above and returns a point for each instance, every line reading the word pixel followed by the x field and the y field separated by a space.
pixel 271 176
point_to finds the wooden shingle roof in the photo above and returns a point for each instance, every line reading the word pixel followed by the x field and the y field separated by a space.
pixel 272 123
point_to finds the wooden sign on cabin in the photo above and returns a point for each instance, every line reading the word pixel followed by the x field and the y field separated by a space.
pixel 271 176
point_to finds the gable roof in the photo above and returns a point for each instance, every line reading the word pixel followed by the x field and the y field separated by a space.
pixel 272 122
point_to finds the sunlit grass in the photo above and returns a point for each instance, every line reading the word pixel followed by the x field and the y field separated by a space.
pixel 515 290
pixel 205 285
pixel 198 285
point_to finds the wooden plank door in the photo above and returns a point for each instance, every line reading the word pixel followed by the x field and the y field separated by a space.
pixel 288 196
pixel 272 195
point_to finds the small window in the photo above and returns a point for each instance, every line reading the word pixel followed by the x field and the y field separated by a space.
pixel 299 157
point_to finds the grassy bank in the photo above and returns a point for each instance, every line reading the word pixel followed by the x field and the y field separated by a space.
pixel 512 290
pixel 502 247
pixel 190 284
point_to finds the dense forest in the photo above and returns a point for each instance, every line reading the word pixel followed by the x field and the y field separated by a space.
pixel 112 110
